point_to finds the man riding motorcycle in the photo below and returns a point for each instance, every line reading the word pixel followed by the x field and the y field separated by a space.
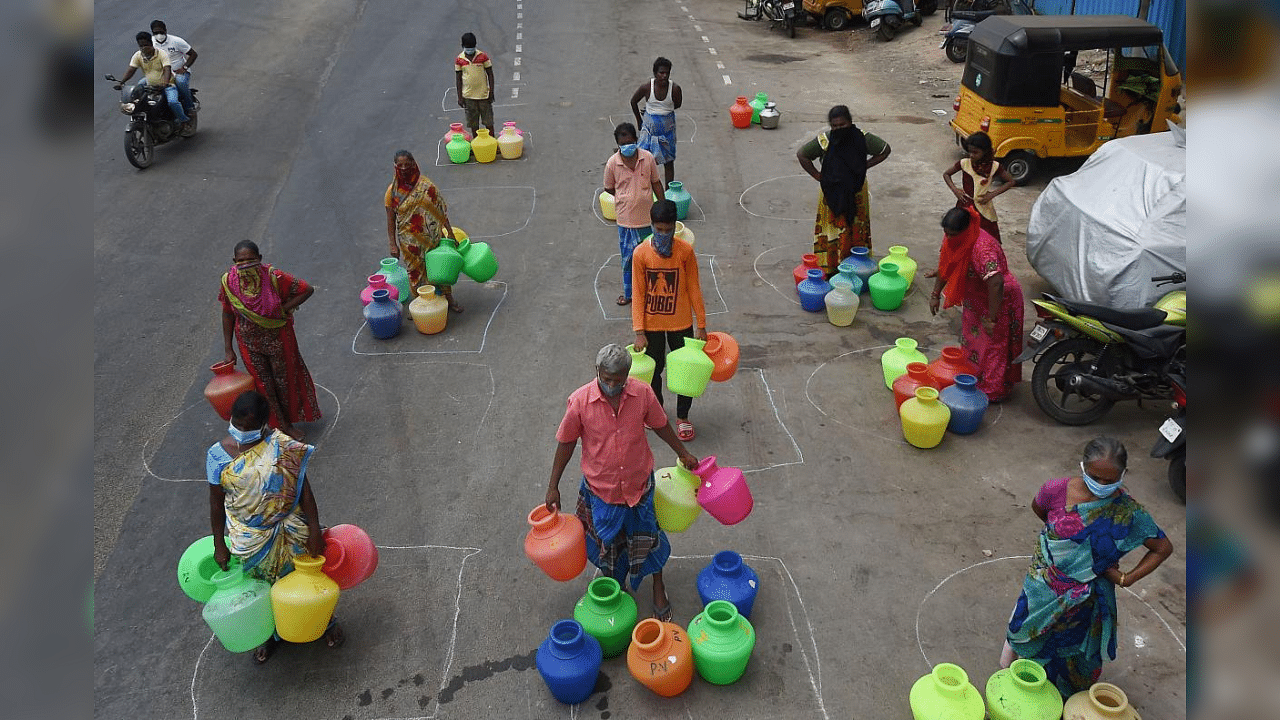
pixel 157 71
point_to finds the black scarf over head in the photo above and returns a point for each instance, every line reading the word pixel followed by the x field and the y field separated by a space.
pixel 844 171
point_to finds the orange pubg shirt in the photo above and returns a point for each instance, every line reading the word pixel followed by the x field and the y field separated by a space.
pixel 667 294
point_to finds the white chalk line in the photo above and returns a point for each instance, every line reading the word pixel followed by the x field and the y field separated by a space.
pixel 742 204
pixel 442 152
pixel 777 415
pixel 444 108
pixel 483 337
pixel 146 465
pixel 925 599
pixel 453 635
pixel 827 415
pixel 812 668
pixel 755 265
pixel 533 206
pixel 609 262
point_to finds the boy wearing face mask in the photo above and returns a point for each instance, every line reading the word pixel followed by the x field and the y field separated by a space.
pixel 631 176
pixel 615 499
pixel 474 74
pixel 668 301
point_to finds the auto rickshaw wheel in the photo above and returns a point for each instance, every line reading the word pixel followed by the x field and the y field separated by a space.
pixel 1021 164
pixel 837 19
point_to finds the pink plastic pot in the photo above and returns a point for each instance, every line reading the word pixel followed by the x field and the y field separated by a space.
pixel 724 493
pixel 350 557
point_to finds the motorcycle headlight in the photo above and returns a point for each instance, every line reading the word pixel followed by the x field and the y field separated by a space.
pixel 127 108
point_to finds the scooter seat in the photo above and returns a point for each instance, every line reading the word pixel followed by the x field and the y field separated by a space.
pixel 1140 319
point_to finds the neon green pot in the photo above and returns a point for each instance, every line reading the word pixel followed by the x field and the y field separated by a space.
pixel 946 694
pixel 1022 691
pixel 722 642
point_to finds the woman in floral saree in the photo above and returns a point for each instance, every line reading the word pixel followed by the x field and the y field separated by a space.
pixel 1066 615
pixel 259 497
pixel 417 217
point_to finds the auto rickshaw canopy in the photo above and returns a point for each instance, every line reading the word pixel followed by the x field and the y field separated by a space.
pixel 1018 60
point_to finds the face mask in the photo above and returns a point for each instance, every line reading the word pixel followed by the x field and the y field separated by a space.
pixel 469 52
pixel 159 37
pixel 662 242
pixel 841 134
pixel 1098 489
pixel 628 150
pixel 244 437
pixel 611 390
pixel 248 265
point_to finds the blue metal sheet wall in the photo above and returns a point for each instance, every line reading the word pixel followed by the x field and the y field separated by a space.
pixel 1169 15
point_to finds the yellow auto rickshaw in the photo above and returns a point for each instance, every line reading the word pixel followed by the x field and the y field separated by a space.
pixel 1021 87
pixel 833 14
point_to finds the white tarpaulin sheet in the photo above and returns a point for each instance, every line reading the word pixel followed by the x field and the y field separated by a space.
pixel 1101 233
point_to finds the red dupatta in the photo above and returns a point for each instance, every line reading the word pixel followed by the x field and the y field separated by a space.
pixel 953 259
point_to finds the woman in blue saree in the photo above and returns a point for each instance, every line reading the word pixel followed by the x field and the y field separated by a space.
pixel 1066 615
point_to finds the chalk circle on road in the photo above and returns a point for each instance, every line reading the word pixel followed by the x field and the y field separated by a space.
pixel 195 441
pixel 773 199
pixel 463 334
pixel 964 617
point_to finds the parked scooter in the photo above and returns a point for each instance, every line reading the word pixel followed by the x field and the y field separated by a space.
pixel 886 16
pixel 960 22
pixel 151 122
pixel 1089 356
pixel 1173 436
pixel 777 12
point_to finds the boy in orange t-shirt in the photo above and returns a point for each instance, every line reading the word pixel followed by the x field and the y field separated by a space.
pixel 667 301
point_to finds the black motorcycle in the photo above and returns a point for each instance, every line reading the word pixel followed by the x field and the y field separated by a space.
pixel 151 122
pixel 777 12
pixel 1173 436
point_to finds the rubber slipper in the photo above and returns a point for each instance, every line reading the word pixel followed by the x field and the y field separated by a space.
pixel 684 430
pixel 662 613
pixel 623 300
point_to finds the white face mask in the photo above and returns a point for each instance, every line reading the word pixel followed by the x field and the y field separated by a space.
pixel 159 37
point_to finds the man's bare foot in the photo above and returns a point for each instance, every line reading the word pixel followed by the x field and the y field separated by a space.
pixel 453 305
pixel 264 651
pixel 661 605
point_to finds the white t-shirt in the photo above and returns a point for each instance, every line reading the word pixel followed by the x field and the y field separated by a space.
pixel 174 48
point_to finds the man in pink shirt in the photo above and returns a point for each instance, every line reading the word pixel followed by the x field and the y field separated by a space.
pixel 631 177
pixel 615 500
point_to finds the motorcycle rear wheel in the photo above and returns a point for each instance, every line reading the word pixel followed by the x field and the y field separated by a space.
pixel 1178 474
pixel 885 31
pixel 1049 383
pixel 139 147
pixel 957 50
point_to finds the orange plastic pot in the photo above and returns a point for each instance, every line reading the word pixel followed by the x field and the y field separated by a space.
pixel 723 351
pixel 556 543
pixel 660 657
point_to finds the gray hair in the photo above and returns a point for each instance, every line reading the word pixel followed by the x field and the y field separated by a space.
pixel 613 359
pixel 1107 448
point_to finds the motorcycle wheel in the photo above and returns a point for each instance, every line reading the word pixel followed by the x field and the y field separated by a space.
pixel 957 50
pixel 885 31
pixel 1178 474
pixel 836 19
pixel 139 147
pixel 1049 383
pixel 928 7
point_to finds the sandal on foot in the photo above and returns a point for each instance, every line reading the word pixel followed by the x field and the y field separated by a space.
pixel 454 307
pixel 623 300
pixel 264 651
pixel 334 637
pixel 684 430
pixel 662 613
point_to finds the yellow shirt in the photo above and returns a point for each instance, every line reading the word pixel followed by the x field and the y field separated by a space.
pixel 153 69
pixel 475 81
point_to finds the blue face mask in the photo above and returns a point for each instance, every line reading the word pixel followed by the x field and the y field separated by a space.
pixel 244 437
pixel 1098 489
pixel 628 150
pixel 611 390
pixel 662 243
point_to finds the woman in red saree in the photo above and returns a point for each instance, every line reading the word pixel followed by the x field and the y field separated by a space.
pixel 973 272
pixel 257 308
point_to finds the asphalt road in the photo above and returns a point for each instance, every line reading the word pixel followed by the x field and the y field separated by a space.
pixel 876 559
